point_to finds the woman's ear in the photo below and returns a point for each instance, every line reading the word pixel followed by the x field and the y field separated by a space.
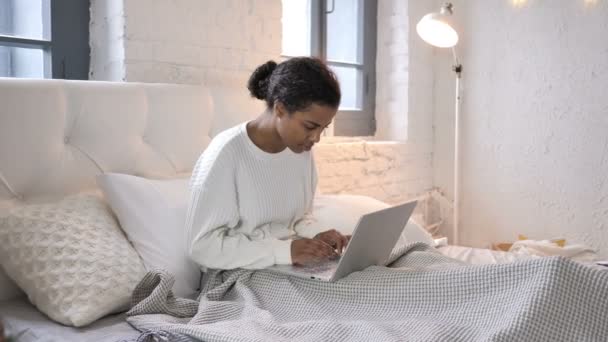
pixel 279 109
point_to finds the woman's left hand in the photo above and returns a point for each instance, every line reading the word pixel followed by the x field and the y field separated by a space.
pixel 334 238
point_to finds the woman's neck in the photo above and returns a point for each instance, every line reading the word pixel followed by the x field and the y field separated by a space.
pixel 263 132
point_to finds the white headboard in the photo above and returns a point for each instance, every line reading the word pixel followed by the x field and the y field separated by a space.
pixel 56 136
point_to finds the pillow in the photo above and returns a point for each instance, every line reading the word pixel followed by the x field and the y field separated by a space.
pixel 70 258
pixel 342 212
pixel 153 214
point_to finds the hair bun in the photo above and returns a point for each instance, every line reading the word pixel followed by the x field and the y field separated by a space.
pixel 258 81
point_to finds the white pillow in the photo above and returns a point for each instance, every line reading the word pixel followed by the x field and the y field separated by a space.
pixel 153 213
pixel 342 212
pixel 70 258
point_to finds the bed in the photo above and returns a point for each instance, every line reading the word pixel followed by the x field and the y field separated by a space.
pixel 19 315
pixel 57 136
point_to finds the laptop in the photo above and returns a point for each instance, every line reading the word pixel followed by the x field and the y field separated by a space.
pixel 372 242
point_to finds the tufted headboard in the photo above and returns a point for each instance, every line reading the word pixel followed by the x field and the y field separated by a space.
pixel 56 136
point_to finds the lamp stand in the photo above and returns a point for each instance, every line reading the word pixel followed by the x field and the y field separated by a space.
pixel 457 68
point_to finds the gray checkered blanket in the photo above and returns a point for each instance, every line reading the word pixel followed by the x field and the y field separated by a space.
pixel 419 296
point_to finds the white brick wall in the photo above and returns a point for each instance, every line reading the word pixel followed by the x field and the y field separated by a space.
pixel 404 94
pixel 186 41
pixel 392 70
pixel 404 101
pixel 107 40
pixel 389 171
pixel 200 41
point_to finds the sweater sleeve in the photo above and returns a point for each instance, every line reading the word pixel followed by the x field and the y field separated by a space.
pixel 308 226
pixel 213 219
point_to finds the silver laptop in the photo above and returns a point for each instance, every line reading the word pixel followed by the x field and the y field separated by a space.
pixel 372 241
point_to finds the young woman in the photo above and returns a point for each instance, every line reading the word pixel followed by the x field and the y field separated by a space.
pixel 252 189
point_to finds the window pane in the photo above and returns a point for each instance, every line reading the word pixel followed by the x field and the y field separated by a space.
pixel 296 27
pixel 345 31
pixel 21 62
pixel 351 85
pixel 25 18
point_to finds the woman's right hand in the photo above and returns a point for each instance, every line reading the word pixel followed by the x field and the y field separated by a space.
pixel 309 251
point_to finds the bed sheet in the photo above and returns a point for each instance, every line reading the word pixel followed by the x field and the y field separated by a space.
pixel 480 255
pixel 19 315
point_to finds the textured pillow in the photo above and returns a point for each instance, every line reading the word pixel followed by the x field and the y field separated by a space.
pixel 153 213
pixel 70 258
pixel 342 212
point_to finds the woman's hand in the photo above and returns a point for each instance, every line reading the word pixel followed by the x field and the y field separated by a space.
pixel 311 251
pixel 335 239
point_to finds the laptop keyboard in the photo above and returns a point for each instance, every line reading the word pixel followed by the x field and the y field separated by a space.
pixel 321 268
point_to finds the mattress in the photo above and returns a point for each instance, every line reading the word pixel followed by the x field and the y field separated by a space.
pixel 19 315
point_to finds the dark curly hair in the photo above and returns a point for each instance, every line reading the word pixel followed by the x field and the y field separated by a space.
pixel 297 83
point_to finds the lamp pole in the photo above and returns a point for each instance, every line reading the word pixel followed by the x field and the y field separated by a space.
pixel 457 68
pixel 435 29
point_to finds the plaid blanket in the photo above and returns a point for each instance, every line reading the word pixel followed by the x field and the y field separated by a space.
pixel 419 296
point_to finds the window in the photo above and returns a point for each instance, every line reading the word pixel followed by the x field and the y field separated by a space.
pixel 343 33
pixel 44 39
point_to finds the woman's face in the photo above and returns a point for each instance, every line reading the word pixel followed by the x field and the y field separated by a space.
pixel 300 130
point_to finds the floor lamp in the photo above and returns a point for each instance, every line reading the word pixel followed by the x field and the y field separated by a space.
pixel 434 28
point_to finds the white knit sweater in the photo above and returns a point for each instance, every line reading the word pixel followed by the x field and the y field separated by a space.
pixel 247 204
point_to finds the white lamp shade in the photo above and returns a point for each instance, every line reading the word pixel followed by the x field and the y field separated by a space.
pixel 435 30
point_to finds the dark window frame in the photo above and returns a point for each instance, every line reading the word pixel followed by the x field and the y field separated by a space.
pixel 351 122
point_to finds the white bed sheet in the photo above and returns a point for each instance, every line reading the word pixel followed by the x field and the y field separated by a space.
pixel 480 255
pixel 19 315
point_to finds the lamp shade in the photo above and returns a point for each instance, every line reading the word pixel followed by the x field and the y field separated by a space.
pixel 434 29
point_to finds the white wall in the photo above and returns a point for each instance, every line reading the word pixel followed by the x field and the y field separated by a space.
pixel 404 101
pixel 389 171
pixel 404 97
pixel 392 66
pixel 107 41
pixel 534 120
pixel 200 41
